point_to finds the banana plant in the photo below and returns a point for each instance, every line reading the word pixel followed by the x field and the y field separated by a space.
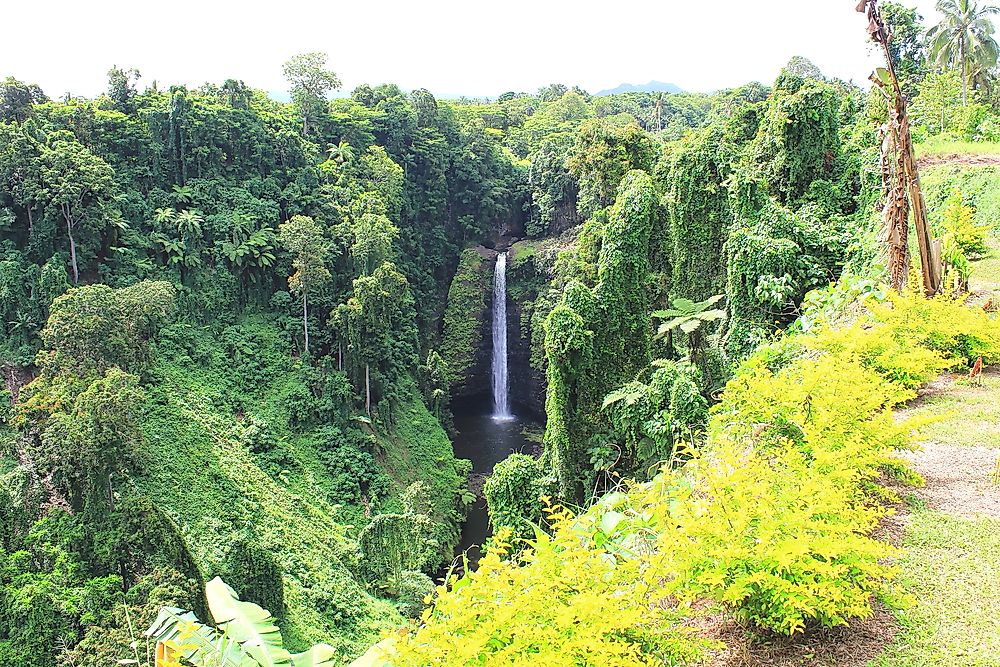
pixel 245 636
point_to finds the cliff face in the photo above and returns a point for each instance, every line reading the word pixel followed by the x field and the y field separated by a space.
pixel 529 274
pixel 466 342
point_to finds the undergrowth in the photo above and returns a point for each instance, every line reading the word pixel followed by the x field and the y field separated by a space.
pixel 772 519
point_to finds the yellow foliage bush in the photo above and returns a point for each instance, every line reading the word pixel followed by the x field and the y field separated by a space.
pixel 773 519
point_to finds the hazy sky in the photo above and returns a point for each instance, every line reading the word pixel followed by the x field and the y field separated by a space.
pixel 448 46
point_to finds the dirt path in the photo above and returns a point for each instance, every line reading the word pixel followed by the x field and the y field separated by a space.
pixel 950 563
pixel 963 160
pixel 958 457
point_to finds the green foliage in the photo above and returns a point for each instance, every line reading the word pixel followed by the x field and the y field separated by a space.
pixel 17 99
pixel 773 520
pixel 976 183
pixel 81 433
pixel 304 238
pixel 799 141
pixel 653 418
pixel 462 327
pixel 393 544
pixel 957 222
pixel 689 316
pixel 245 635
pixel 774 259
pixel 79 184
pixel 605 151
pixel 964 40
pixel 907 47
pixel 309 82
pixel 513 495
pixel 91 329
pixel 599 338
pixel 698 209
pixel 938 106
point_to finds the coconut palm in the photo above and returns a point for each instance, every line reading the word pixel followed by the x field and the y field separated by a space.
pixel 341 153
pixel 964 39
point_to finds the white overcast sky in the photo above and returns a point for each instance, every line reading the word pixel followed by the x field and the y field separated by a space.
pixel 448 46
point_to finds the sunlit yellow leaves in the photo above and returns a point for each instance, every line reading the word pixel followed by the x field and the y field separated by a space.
pixel 773 518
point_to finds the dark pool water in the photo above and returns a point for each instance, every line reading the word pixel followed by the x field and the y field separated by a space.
pixel 486 441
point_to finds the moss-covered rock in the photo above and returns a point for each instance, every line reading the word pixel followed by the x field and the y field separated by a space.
pixel 465 342
pixel 529 275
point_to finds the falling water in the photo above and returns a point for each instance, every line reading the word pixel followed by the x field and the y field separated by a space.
pixel 501 398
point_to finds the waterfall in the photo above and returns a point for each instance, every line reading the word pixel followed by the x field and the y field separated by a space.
pixel 501 396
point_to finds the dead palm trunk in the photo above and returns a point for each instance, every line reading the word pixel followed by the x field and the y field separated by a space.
pixel 903 178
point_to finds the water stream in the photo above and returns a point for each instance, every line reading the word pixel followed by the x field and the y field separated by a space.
pixel 501 390
pixel 485 441
pixel 488 433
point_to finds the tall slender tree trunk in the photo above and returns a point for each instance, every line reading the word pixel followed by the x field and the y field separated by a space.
pixel 305 322
pixel 368 390
pixel 965 75
pixel 72 245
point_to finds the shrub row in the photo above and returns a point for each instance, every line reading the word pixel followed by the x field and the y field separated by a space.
pixel 773 519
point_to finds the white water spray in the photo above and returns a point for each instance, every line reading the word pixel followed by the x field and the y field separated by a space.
pixel 501 397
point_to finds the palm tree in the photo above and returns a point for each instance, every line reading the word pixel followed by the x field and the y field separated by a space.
pixel 964 39
pixel 341 153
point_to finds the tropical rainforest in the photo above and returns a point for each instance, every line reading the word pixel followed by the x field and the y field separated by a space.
pixel 237 336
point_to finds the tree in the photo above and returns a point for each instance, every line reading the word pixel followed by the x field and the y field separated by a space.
pixel 907 48
pixel 122 88
pixel 606 149
pixel 95 327
pixel 341 153
pixel 804 68
pixel 552 92
pixel 90 436
pixel 17 98
pixel 378 323
pixel 691 318
pixel 374 235
pixel 310 83
pixel 425 105
pixel 303 237
pixel 964 39
pixel 937 107
pixel 236 93
pixel 21 170
pixel 79 184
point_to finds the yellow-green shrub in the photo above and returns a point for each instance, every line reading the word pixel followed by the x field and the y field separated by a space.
pixel 773 518
pixel 958 220
pixel 562 603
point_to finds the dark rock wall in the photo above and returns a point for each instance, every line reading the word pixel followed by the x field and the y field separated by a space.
pixel 466 341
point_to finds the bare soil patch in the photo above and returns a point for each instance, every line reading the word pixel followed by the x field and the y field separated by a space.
pixel 959 159
pixel 853 645
pixel 960 480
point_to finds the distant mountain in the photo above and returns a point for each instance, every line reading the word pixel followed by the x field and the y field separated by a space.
pixel 651 87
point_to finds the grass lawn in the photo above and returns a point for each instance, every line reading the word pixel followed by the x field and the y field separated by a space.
pixel 951 567
pixel 969 416
pixel 986 272
pixel 938 146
